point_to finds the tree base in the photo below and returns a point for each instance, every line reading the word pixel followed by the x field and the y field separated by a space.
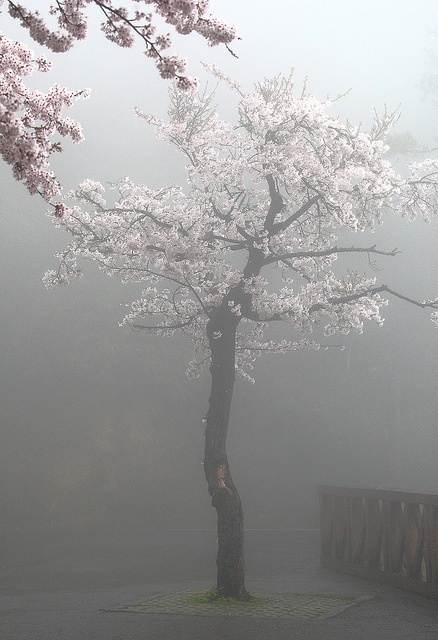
pixel 215 596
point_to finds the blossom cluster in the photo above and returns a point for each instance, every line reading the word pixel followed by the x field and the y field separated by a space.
pixel 29 119
pixel 420 196
pixel 255 237
pixel 124 24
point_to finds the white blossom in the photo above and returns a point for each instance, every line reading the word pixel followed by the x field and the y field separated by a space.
pixel 255 236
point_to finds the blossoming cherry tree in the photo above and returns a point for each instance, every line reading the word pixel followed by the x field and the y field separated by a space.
pixel 251 242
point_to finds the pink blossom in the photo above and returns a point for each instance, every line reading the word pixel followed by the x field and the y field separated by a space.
pixel 28 119
pixel 60 209
pixel 123 26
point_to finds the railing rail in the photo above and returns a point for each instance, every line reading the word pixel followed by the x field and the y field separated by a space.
pixel 389 536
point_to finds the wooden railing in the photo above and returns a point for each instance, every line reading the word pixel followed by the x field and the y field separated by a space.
pixel 389 536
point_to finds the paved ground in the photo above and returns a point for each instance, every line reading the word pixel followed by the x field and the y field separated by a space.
pixel 77 588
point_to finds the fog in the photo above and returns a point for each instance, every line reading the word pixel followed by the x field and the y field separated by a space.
pixel 100 428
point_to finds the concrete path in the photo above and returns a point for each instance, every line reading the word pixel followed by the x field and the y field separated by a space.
pixel 77 588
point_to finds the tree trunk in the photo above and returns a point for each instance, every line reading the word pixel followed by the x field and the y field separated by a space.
pixel 221 332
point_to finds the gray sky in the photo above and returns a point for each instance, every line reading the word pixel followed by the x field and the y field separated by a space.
pixel 97 421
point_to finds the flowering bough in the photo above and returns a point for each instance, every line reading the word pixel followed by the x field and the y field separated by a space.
pixel 29 119
pixel 252 242
pixel 124 24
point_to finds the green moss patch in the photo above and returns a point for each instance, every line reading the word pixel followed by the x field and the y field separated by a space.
pixel 262 605
pixel 212 596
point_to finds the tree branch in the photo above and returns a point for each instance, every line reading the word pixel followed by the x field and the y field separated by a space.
pixel 328 252
pixel 213 236
pixel 431 304
pixel 276 203
pixel 281 226
pixel 170 327
pixel 143 214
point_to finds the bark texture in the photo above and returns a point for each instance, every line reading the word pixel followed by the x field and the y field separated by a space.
pixel 221 331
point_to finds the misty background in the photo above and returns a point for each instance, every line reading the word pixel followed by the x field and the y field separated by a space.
pixel 99 425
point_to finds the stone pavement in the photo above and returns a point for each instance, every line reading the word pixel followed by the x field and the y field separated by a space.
pixel 89 588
